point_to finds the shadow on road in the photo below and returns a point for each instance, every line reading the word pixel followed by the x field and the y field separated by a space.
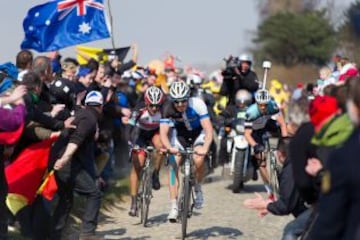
pixel 249 188
pixel 212 179
pixel 254 188
pixel 157 220
pixel 118 235
pixel 225 232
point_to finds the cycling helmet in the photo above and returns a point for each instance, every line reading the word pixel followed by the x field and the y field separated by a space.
pixel 245 58
pixel 193 79
pixel 179 90
pixel 153 95
pixel 262 96
pixel 243 96
pixel 94 98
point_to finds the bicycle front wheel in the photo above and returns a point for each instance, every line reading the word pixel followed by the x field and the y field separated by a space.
pixel 186 193
pixel 145 197
pixel 274 181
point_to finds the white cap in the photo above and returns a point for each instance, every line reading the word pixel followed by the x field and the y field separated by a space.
pixel 94 98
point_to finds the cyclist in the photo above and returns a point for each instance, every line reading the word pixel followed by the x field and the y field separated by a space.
pixel 261 117
pixel 192 126
pixel 146 131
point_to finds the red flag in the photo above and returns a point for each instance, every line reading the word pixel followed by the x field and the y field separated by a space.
pixel 8 138
pixel 49 186
pixel 25 174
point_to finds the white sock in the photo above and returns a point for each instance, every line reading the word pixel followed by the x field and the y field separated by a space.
pixel 173 203
pixel 268 188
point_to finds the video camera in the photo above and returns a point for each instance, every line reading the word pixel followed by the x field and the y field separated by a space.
pixel 231 63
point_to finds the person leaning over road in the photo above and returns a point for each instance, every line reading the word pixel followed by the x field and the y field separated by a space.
pixel 73 171
pixel 289 201
pixel 192 127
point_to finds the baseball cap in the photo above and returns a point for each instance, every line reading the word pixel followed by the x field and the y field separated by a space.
pixel 94 98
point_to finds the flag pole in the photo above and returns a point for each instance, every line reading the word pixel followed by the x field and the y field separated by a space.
pixel 111 25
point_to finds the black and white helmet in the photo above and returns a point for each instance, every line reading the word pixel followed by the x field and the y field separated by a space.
pixel 262 96
pixel 153 95
pixel 179 90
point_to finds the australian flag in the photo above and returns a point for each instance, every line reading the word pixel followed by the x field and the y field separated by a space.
pixel 61 23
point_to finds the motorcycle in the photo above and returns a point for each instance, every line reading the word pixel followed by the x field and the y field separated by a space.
pixel 239 152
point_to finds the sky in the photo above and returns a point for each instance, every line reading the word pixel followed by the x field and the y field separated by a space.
pixel 197 31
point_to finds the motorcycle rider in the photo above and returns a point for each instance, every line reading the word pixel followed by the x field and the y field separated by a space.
pixel 239 77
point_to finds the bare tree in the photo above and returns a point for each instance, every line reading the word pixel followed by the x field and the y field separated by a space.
pixel 270 7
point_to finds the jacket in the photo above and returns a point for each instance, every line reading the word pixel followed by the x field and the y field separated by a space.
pixel 247 81
pixel 289 200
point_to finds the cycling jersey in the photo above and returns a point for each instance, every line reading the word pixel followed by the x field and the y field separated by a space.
pixel 187 126
pixel 188 120
pixel 145 125
pixel 148 122
pixel 257 120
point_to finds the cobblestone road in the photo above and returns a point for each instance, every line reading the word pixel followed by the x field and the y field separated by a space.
pixel 223 217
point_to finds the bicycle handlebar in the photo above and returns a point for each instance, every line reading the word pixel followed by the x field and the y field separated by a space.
pixel 137 147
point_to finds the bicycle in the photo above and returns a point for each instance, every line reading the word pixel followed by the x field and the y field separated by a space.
pixel 274 167
pixel 144 194
pixel 186 199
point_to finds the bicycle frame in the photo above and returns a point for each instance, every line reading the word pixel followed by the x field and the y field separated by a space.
pixel 144 195
pixel 187 183
pixel 273 167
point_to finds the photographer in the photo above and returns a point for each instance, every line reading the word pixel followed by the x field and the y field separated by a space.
pixel 238 75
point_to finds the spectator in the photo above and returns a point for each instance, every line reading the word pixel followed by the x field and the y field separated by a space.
pixel 10 121
pixel 75 170
pixel 339 203
pixel 24 61
pixel 289 200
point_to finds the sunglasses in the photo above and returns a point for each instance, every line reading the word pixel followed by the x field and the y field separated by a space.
pixel 180 102
pixel 154 105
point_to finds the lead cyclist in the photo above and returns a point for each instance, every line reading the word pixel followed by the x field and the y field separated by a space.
pixel 192 127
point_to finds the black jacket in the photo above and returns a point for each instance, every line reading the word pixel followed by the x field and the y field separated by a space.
pixel 300 150
pixel 339 203
pixel 247 81
pixel 83 136
pixel 289 197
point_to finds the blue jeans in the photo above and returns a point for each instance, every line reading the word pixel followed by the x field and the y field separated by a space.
pixel 296 227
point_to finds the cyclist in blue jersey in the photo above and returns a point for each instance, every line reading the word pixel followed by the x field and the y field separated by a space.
pixel 261 117
pixel 191 127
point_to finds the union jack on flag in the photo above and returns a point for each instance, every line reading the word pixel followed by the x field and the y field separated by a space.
pixel 81 5
pixel 62 23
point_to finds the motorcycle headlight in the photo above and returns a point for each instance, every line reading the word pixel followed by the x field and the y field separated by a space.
pixel 240 128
